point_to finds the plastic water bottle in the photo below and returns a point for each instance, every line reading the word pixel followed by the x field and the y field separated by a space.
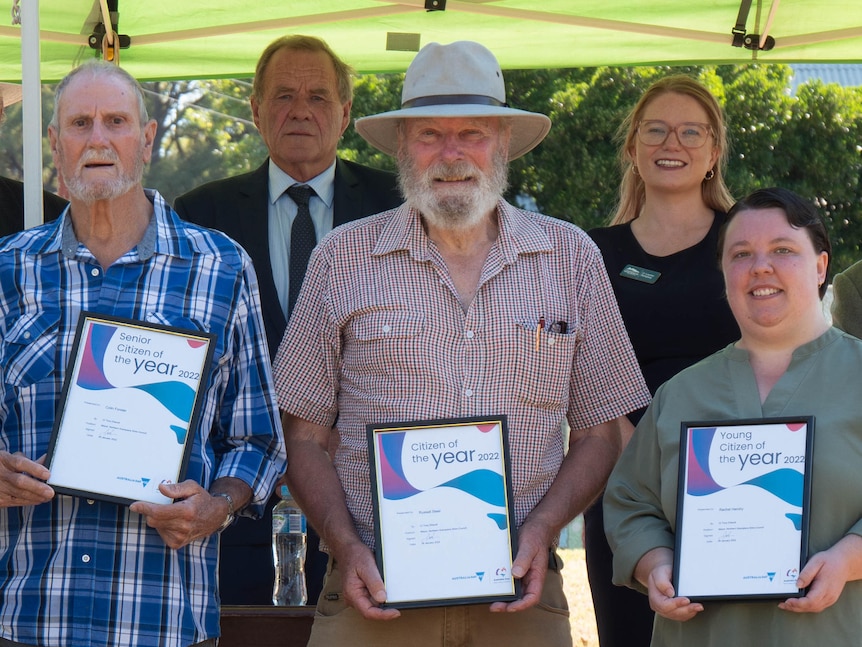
pixel 288 551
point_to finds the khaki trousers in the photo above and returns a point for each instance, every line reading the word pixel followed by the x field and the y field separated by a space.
pixel 546 624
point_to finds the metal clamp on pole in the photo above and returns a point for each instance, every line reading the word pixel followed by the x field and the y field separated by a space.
pixel 753 41
pixel 749 41
pixel 105 37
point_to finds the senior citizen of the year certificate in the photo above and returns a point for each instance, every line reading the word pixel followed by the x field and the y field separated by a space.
pixel 131 398
pixel 443 511
pixel 742 508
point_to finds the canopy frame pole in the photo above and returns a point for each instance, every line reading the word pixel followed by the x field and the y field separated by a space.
pixel 31 81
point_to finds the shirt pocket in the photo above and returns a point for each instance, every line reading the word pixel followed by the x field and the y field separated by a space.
pixel 221 355
pixel 29 349
pixel 385 338
pixel 543 372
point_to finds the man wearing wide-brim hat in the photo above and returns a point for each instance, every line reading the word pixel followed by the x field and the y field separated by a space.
pixel 455 305
pixel 12 191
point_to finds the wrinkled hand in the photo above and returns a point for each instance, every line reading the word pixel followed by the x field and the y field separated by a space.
pixel 662 598
pixel 363 586
pixel 530 566
pixel 193 514
pixel 826 575
pixel 21 480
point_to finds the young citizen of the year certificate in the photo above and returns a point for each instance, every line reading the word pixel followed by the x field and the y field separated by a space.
pixel 443 511
pixel 130 398
pixel 742 511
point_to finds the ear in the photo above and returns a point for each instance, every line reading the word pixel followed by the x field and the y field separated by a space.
pixel 345 116
pixel 255 112
pixel 713 157
pixel 52 139
pixel 822 263
pixel 149 138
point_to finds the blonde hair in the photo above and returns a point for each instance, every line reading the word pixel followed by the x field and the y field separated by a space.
pixel 632 190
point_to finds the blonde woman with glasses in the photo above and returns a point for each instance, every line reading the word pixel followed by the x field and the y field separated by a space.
pixel 660 253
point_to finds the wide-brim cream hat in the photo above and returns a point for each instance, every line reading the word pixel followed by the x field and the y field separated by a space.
pixel 462 79
pixel 11 93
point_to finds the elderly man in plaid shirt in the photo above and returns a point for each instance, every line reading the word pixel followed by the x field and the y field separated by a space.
pixel 456 304
pixel 80 572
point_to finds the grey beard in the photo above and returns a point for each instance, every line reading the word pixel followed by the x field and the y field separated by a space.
pixel 458 210
pixel 90 192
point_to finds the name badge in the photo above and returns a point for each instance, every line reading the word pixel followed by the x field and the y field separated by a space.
pixel 640 274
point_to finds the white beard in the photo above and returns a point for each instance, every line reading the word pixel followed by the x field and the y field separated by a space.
pixel 108 189
pixel 453 208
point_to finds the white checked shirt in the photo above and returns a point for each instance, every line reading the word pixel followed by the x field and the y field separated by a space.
pixel 378 335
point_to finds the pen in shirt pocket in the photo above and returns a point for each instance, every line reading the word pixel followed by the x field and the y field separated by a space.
pixel 559 327
pixel 539 327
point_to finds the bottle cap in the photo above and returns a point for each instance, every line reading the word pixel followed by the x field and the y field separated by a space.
pixel 283 492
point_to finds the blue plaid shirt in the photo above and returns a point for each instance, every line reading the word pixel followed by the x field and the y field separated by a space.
pixel 77 572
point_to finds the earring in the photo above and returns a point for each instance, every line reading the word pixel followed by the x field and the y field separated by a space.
pixel 709 175
pixel 635 169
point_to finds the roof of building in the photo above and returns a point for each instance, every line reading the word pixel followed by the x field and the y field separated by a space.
pixel 848 75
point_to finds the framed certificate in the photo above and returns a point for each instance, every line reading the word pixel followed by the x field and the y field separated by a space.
pixel 131 399
pixel 742 508
pixel 443 511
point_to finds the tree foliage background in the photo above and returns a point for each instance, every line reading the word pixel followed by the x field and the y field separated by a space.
pixel 809 142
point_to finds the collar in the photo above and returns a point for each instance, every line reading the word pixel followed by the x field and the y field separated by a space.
pixel 521 232
pixel 172 243
pixel 830 336
pixel 323 184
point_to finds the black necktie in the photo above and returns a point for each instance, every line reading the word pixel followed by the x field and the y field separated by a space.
pixel 302 240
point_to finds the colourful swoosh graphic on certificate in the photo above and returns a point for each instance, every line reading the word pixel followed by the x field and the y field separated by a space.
pixel 486 485
pixel 786 484
pixel 177 397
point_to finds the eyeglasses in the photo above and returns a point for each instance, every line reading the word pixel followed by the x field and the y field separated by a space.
pixel 654 132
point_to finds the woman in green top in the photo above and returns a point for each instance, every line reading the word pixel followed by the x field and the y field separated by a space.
pixel 774 253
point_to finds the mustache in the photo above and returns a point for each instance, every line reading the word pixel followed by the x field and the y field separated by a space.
pixel 91 156
pixel 452 171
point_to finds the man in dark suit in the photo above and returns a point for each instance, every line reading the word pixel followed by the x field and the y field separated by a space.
pixel 301 100
pixel 12 191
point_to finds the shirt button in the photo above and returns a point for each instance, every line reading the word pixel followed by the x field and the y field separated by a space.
pixel 90 501
pixel 95 271
pixel 387 328
pixel 468 392
pixel 551 341
pixel 27 335
pixel 469 334
pixel 85 559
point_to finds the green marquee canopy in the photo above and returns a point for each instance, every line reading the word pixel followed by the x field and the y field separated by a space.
pixel 196 39
pixel 176 39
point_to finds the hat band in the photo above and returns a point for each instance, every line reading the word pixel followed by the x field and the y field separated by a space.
pixel 453 99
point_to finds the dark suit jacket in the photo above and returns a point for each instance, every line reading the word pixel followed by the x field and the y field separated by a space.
pixel 12 206
pixel 238 206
